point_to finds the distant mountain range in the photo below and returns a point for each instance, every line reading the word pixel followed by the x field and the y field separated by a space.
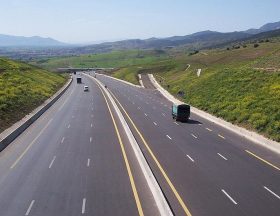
pixel 21 41
pixel 264 28
pixel 23 47
pixel 198 40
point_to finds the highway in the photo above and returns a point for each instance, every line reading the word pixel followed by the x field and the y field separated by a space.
pixel 70 162
pixel 76 159
pixel 213 171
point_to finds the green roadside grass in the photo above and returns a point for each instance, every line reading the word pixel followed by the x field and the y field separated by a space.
pixel 115 59
pixel 23 88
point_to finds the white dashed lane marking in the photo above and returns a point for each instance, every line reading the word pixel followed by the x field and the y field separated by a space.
pixel 192 160
pixel 50 166
pixel 194 136
pixel 270 191
pixel 84 206
pixel 30 207
pixel 222 156
pixel 168 137
pixel 228 196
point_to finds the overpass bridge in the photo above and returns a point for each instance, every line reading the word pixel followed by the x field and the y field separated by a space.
pixel 71 69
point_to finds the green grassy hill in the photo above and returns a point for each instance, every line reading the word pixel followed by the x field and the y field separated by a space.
pixel 114 59
pixel 23 88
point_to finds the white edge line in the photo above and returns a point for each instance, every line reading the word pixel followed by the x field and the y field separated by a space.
pixel 88 162
pixel 30 207
pixel 155 123
pixel 157 193
pixel 231 199
pixel 270 191
pixel 62 140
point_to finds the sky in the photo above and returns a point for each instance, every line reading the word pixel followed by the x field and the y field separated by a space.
pixel 86 21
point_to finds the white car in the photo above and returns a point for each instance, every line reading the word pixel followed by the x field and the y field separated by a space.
pixel 85 88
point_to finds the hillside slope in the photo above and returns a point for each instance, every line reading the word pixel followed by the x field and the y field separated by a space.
pixel 237 85
pixel 22 89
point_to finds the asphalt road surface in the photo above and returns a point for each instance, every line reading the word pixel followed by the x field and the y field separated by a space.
pixel 70 162
pixel 201 167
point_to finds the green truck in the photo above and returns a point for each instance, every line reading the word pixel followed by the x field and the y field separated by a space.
pixel 79 80
pixel 181 112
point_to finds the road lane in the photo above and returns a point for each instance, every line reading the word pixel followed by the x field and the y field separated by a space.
pixel 242 177
pixel 55 176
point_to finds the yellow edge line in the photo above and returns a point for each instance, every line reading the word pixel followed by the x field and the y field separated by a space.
pixel 263 160
pixel 29 146
pixel 183 205
pixel 137 200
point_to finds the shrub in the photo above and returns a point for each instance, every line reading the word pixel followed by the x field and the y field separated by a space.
pixel 258 120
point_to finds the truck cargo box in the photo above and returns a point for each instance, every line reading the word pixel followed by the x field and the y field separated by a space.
pixel 79 79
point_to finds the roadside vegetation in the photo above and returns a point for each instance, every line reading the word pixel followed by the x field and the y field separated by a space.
pixel 23 88
pixel 115 59
pixel 239 82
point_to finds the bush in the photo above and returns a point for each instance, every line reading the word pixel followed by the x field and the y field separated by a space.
pixel 194 52
pixel 256 45
pixel 258 120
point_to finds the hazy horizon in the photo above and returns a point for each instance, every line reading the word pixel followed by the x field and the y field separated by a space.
pixel 93 22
